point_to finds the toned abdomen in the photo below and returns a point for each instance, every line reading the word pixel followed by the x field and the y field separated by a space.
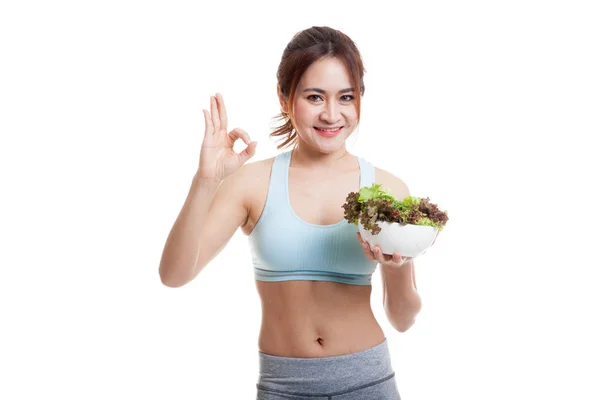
pixel 316 319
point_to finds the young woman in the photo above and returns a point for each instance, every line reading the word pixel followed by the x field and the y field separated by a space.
pixel 319 338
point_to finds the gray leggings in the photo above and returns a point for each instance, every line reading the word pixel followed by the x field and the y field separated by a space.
pixel 365 375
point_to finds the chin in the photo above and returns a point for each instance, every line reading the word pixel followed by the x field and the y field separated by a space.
pixel 329 148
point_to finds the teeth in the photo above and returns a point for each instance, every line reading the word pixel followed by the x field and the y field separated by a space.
pixel 329 130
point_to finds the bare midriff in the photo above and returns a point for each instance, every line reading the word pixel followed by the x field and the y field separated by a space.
pixel 311 319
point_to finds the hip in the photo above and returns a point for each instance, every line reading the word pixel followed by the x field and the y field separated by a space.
pixel 366 374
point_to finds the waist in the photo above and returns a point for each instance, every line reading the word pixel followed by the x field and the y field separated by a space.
pixel 316 319
pixel 311 341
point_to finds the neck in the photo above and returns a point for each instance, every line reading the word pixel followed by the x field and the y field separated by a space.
pixel 304 156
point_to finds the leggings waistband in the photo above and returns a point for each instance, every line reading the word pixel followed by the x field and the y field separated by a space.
pixel 326 374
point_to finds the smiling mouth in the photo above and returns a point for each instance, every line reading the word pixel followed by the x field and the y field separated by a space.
pixel 335 129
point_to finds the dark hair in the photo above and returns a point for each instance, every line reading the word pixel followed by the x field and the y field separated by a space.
pixel 302 51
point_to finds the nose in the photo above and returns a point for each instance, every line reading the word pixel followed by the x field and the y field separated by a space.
pixel 331 112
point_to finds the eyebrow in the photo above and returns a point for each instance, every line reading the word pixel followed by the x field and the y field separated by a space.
pixel 347 90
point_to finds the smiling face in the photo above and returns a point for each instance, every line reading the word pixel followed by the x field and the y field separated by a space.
pixel 325 111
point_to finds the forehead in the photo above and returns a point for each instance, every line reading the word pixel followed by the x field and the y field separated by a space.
pixel 329 74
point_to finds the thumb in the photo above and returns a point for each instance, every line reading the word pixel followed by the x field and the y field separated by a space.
pixel 248 152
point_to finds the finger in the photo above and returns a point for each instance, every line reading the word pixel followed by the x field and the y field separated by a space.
pixel 403 260
pixel 365 245
pixel 248 152
pixel 359 238
pixel 215 115
pixel 208 126
pixel 382 257
pixel 241 134
pixel 367 250
pixel 377 254
pixel 222 111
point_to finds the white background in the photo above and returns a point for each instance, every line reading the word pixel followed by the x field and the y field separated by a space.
pixel 488 108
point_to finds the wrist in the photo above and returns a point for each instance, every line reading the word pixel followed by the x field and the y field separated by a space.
pixel 207 181
pixel 394 268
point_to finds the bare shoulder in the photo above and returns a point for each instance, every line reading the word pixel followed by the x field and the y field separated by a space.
pixel 389 181
pixel 252 177
pixel 256 172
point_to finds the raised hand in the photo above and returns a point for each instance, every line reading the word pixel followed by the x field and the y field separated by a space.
pixel 217 158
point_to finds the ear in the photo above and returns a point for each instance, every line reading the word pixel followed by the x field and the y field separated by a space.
pixel 282 101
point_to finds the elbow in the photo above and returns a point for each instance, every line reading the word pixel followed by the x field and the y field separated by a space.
pixel 402 327
pixel 175 277
pixel 171 283
pixel 170 279
pixel 404 320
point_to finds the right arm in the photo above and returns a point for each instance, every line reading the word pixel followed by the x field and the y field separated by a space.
pixel 181 250
pixel 215 205
pixel 210 216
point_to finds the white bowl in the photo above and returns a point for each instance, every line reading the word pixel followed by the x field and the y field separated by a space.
pixel 406 239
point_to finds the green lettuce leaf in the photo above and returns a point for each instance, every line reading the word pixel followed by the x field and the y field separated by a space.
pixel 374 192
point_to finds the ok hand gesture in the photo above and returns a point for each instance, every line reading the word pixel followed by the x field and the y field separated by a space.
pixel 217 158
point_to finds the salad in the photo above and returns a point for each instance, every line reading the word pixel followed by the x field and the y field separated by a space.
pixel 372 204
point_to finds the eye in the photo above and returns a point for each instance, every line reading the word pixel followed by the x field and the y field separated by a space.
pixel 347 97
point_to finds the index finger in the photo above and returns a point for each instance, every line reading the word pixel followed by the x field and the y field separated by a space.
pixel 222 110
pixel 208 127
pixel 359 237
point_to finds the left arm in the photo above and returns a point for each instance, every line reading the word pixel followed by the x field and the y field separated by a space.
pixel 401 301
